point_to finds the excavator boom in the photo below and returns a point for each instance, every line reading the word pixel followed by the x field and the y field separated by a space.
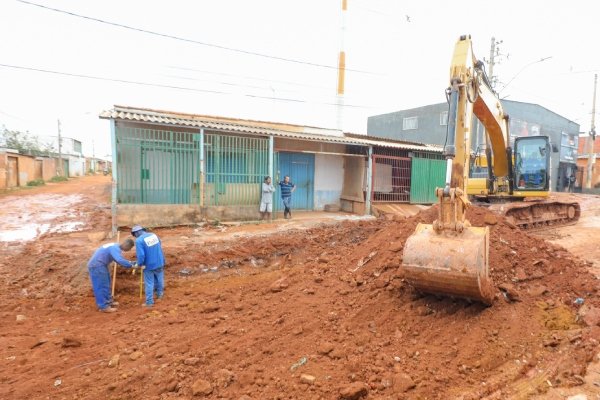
pixel 450 257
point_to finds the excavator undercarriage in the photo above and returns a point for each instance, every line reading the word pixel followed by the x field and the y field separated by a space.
pixel 535 215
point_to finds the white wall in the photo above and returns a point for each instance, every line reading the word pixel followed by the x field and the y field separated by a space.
pixel 76 166
pixel 329 178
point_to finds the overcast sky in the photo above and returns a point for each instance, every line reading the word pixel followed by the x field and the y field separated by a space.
pixel 398 54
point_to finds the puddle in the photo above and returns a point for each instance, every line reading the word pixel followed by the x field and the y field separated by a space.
pixel 27 217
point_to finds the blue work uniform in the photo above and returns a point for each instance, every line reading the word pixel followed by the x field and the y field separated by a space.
pixel 149 254
pixel 100 274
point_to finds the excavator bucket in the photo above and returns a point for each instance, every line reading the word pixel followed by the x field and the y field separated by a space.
pixel 449 263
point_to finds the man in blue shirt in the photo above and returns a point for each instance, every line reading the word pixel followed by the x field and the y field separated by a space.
pixel 98 267
pixel 150 255
pixel 287 188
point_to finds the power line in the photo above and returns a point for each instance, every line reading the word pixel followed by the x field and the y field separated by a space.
pixel 332 89
pixel 138 83
pixel 168 36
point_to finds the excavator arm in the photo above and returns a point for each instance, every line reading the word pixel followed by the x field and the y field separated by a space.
pixel 459 264
pixel 469 93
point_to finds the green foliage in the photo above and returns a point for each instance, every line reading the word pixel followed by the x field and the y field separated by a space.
pixel 58 178
pixel 24 142
pixel 36 182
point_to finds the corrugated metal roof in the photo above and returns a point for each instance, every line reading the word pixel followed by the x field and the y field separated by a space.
pixel 261 128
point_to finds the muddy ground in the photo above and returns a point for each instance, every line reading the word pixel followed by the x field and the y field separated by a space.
pixel 289 311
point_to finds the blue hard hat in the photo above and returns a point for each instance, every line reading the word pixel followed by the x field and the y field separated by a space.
pixel 136 228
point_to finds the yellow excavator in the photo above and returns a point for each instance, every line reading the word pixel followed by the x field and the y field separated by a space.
pixel 451 257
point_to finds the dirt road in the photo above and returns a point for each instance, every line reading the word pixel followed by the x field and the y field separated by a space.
pixel 320 312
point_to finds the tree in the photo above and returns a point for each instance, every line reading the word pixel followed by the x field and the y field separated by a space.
pixel 24 142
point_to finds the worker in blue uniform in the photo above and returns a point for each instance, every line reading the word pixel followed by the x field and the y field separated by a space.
pixel 150 256
pixel 98 267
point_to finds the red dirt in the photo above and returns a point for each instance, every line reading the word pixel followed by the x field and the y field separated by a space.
pixel 238 315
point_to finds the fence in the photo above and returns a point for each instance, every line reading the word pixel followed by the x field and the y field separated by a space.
pixel 157 166
pixel 163 167
pixel 428 172
pixel 235 169
pixel 391 179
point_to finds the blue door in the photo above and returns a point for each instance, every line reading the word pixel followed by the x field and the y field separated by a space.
pixel 300 167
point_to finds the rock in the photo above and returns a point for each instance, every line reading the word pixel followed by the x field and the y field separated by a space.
pixel 21 318
pixel 191 361
pixel 171 386
pixel 403 383
pixel 423 311
pixel 325 348
pixel 336 354
pixel 201 388
pixel 238 307
pixel 209 308
pixel 136 355
pixel 578 397
pixel 87 372
pixel 114 361
pixel 298 330
pixel 161 352
pixel 279 285
pixel 324 259
pixel 224 378
pixel 245 397
pixel 520 274
pixel 308 379
pixel 396 247
pixel 590 315
pixel 354 391
pixel 70 342
pixel 537 291
pixel 509 291
pixel 490 219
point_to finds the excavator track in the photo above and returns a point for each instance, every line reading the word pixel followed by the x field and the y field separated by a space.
pixel 539 215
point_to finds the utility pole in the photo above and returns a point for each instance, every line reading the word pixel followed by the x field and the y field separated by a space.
pixel 341 70
pixel 590 140
pixel 494 52
pixel 60 162
pixel 491 62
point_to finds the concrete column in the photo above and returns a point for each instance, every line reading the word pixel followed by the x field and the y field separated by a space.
pixel 369 182
pixel 271 158
pixel 115 159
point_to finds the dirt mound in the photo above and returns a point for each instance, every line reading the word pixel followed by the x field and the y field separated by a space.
pixel 316 314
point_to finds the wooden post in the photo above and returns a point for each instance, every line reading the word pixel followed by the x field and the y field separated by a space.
pixel 114 277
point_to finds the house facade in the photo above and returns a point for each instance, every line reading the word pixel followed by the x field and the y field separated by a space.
pixel 16 170
pixel 582 164
pixel 171 168
pixel 428 124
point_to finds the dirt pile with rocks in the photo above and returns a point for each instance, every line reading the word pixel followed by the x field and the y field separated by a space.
pixel 318 314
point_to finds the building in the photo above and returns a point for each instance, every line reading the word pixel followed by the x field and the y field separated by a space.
pixel 582 162
pixel 428 124
pixel 171 168
pixel 18 169
pixel 71 152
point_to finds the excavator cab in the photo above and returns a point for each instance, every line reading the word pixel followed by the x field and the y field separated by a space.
pixel 532 163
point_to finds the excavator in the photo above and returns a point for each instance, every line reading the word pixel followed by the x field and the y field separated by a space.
pixel 451 257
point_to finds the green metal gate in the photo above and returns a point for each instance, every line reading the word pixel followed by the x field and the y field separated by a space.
pixel 157 166
pixel 428 172
pixel 235 169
